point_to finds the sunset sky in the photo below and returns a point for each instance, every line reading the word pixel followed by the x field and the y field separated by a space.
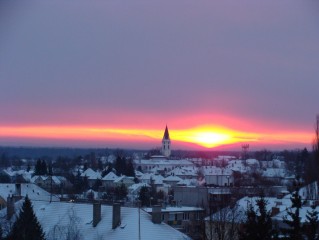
pixel 114 73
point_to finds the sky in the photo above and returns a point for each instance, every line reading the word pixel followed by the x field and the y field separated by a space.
pixel 115 73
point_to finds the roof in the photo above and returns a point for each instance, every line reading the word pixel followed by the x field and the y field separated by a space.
pixel 138 186
pixel 91 174
pixel 302 214
pixel 213 170
pixel 166 134
pixel 55 179
pixel 159 162
pixel 172 179
pixel 111 176
pixel 176 209
pixel 241 206
pixel 60 216
pixel 33 191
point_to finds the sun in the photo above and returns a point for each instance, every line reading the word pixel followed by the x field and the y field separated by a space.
pixel 205 136
pixel 210 139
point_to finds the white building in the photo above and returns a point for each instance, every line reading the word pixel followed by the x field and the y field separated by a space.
pixel 166 144
pixel 218 176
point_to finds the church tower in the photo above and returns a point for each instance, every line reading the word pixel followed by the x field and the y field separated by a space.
pixel 166 144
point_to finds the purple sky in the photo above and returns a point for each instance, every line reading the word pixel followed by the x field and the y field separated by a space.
pixel 93 62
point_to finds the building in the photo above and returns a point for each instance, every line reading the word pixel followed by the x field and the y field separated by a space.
pixel 166 144
pixel 147 166
pixel 65 220
pixel 215 176
pixel 184 219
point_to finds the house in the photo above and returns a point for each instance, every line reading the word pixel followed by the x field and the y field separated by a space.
pixel 65 220
pixel 47 181
pixel 184 172
pixel 166 164
pixel 108 180
pixel 172 180
pixel 91 176
pixel 21 176
pixel 127 181
pixel 215 176
pixel 134 190
pixel 20 190
pixel 232 216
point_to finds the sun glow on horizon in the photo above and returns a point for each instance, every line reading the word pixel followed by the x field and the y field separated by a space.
pixel 207 136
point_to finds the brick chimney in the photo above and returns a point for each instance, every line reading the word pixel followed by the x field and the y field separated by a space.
pixel 156 214
pixel 274 211
pixel 96 213
pixel 10 207
pixel 18 189
pixel 116 220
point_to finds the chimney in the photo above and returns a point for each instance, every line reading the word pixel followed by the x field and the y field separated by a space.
pixel 96 213
pixel 274 211
pixel 10 207
pixel 18 189
pixel 156 214
pixel 116 220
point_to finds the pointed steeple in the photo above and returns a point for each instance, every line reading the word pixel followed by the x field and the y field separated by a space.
pixel 166 144
pixel 166 134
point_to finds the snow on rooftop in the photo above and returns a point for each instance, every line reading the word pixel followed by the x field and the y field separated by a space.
pixel 111 176
pixel 213 170
pixel 91 174
pixel 58 217
pixel 33 191
pixel 163 162
pixel 172 179
pixel 176 209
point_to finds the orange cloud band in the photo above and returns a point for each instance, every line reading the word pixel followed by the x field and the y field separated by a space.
pixel 208 136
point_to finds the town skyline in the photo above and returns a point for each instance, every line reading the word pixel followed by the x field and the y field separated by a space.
pixel 113 74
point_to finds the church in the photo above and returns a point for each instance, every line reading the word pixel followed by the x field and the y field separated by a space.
pixel 163 161
pixel 166 144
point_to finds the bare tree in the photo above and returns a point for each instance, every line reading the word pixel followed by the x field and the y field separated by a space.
pixel 224 224
pixel 70 231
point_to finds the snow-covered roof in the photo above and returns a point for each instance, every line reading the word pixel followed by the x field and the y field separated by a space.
pixel 274 172
pixel 213 170
pixel 172 179
pixel 62 216
pixel 224 157
pixel 237 165
pixel 33 191
pixel 181 162
pixel 242 205
pixel 111 176
pixel 55 179
pixel 25 174
pixel 184 171
pixel 302 214
pixel 188 182
pixel 158 179
pixel 252 161
pixel 137 186
pixel 123 178
pixel 91 174
pixel 176 209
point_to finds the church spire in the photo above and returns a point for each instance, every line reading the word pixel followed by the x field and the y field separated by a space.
pixel 166 134
pixel 166 144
